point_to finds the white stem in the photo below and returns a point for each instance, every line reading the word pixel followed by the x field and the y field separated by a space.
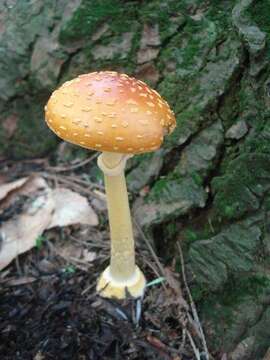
pixel 122 264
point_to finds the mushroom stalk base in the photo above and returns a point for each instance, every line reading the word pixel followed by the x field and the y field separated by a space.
pixel 109 287
pixel 122 278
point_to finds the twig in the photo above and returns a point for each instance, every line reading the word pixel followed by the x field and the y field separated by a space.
pixel 184 336
pixel 84 182
pixel 89 287
pixel 156 259
pixel 71 167
pixel 71 184
pixel 152 267
pixel 195 350
pixel 145 239
pixel 192 304
pixel 18 266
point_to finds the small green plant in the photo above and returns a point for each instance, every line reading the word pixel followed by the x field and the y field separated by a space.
pixel 39 241
pixel 69 269
pixel 190 235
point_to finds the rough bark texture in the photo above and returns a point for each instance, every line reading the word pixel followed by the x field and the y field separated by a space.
pixel 209 185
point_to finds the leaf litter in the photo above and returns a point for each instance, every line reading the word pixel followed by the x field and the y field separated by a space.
pixel 29 206
pixel 49 308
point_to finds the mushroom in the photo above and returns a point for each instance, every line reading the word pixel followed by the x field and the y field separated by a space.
pixel 119 116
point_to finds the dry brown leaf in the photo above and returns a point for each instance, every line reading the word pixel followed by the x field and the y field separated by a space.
pixel 42 209
pixel 19 234
pixel 7 188
pixel 71 208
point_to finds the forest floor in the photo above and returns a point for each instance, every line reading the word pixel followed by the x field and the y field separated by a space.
pixel 49 308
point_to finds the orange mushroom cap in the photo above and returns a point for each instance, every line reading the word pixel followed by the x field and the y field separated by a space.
pixel 108 111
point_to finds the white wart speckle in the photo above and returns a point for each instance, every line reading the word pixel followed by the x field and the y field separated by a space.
pixel 68 105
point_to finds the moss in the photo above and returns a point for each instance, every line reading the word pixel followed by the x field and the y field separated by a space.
pixel 91 14
pixel 233 292
pixel 237 289
pixel 160 187
pixel 189 49
pixel 190 235
pixel 257 12
pixel 259 142
pixel 239 190
pixel 220 12
pixel 197 178
pixel 222 308
pixel 166 188
pixel 171 230
pixel 160 12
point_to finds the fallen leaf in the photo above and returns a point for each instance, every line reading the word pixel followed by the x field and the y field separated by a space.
pixel 19 234
pixel 71 208
pixel 32 207
pixel 7 188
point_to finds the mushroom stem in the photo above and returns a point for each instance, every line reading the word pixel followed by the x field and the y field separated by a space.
pixel 122 276
pixel 122 263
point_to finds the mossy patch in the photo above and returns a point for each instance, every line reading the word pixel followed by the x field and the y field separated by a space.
pixel 92 14
pixel 239 190
pixel 257 12
pixel 236 301
pixel 220 12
